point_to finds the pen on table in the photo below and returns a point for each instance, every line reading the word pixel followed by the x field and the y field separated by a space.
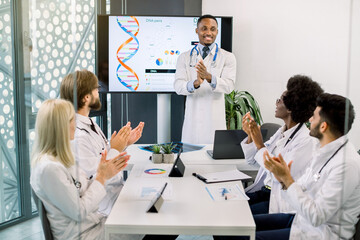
pixel 199 177
pixel 224 191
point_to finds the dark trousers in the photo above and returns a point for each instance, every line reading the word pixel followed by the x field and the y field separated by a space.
pixel 259 201
pixel 160 237
pixel 268 227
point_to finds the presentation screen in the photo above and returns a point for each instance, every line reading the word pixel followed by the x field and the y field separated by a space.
pixel 139 53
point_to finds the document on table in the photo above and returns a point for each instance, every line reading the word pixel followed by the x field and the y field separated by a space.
pixel 232 175
pixel 148 190
pixel 228 192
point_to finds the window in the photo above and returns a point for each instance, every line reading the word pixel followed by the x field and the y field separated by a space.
pixel 9 185
pixel 59 38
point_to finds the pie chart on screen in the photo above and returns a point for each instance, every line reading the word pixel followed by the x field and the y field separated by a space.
pixel 159 62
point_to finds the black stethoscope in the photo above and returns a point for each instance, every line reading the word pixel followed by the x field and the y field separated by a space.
pixel 317 175
pixel 213 63
pixel 293 134
pixel 76 183
pixel 101 134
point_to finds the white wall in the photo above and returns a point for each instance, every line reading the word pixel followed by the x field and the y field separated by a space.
pixel 354 67
pixel 275 39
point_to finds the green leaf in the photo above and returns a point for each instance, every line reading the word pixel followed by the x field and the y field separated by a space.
pixel 229 99
pixel 242 106
pixel 167 148
pixel 156 149
pixel 242 102
pixel 232 123
pixel 239 120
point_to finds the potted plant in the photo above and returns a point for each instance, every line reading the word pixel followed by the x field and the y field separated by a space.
pixel 168 152
pixel 237 104
pixel 157 156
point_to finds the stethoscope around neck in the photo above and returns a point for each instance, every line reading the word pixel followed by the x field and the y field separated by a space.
pixel 318 174
pixel 194 61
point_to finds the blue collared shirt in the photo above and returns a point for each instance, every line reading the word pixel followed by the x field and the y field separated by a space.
pixel 201 47
pixel 190 84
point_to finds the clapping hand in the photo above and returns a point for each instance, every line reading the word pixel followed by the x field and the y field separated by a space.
pixel 279 168
pixel 202 71
pixel 135 134
pixel 255 133
pixel 198 81
pixel 119 140
pixel 109 168
pixel 246 125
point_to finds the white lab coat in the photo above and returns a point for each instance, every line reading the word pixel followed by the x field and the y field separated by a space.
pixel 70 216
pixel 327 208
pixel 88 147
pixel 205 107
pixel 299 149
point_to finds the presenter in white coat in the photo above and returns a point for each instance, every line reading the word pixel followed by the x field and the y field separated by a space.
pixel 71 200
pixel 90 141
pixel 204 74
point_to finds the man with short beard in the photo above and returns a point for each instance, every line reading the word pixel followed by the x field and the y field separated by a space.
pixel 90 141
pixel 326 197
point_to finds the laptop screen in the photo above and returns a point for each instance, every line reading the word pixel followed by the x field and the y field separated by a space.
pixel 227 144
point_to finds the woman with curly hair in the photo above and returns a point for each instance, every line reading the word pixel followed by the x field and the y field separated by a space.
pixel 295 106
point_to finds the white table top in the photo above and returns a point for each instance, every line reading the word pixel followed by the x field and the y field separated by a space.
pixel 190 210
pixel 200 157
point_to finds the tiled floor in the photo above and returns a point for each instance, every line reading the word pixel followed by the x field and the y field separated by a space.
pixel 32 230
pixel 29 230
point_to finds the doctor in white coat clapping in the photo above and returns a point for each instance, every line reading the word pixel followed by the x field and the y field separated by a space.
pixel 204 74
pixel 71 200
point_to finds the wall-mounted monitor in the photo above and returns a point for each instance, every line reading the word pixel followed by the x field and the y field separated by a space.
pixel 139 53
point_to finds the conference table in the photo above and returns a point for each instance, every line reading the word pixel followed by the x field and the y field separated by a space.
pixel 200 157
pixel 187 208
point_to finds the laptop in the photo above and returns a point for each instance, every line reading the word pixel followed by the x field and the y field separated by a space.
pixel 227 144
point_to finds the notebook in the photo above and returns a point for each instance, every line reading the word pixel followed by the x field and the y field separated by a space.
pixel 227 144
pixel 226 176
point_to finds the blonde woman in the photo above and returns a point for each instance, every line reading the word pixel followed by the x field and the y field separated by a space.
pixel 70 199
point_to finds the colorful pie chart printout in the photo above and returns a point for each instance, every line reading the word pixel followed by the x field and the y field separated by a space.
pixel 155 171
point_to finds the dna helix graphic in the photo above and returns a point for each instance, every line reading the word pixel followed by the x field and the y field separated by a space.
pixel 126 51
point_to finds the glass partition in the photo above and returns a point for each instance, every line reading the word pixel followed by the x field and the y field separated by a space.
pixel 9 184
pixel 60 40
pixel 63 40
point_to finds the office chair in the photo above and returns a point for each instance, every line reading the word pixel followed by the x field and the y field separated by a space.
pixel 357 230
pixel 271 130
pixel 44 220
